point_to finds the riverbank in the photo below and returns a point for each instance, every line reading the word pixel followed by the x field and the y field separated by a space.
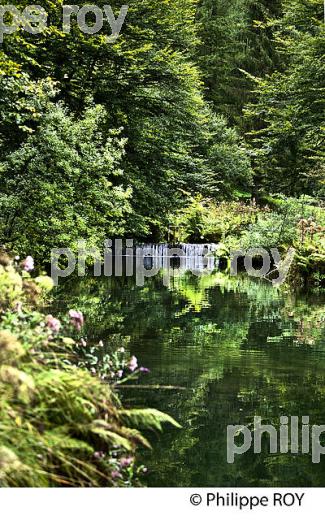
pixel 275 222
pixel 62 423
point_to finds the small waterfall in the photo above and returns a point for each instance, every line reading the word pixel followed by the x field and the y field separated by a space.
pixel 186 257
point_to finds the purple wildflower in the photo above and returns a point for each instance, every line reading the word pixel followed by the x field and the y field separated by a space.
pixel 76 319
pixel 53 323
pixel 28 264
pixel 116 474
pixel 144 370
pixel 99 454
pixel 126 461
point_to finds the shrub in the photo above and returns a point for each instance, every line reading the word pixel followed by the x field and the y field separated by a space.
pixel 205 219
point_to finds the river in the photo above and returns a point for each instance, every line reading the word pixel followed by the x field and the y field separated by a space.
pixel 224 349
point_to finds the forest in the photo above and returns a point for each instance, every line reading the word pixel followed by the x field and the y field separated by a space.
pixel 202 122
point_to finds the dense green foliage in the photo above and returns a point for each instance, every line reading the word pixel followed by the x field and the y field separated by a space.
pixel 62 92
pixel 58 184
pixel 290 107
pixel 265 60
pixel 112 139
pixel 236 38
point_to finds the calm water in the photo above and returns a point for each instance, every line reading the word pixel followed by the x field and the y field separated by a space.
pixel 231 348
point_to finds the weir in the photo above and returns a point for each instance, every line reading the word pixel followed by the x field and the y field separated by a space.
pixel 186 257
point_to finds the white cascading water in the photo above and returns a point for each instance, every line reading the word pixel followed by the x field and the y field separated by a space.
pixel 191 256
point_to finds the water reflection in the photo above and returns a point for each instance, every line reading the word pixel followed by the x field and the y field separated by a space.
pixel 237 347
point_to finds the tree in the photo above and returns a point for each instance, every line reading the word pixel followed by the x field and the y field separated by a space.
pixel 61 184
pixel 289 147
pixel 236 38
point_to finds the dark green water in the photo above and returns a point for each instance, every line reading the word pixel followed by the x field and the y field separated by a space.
pixel 235 349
